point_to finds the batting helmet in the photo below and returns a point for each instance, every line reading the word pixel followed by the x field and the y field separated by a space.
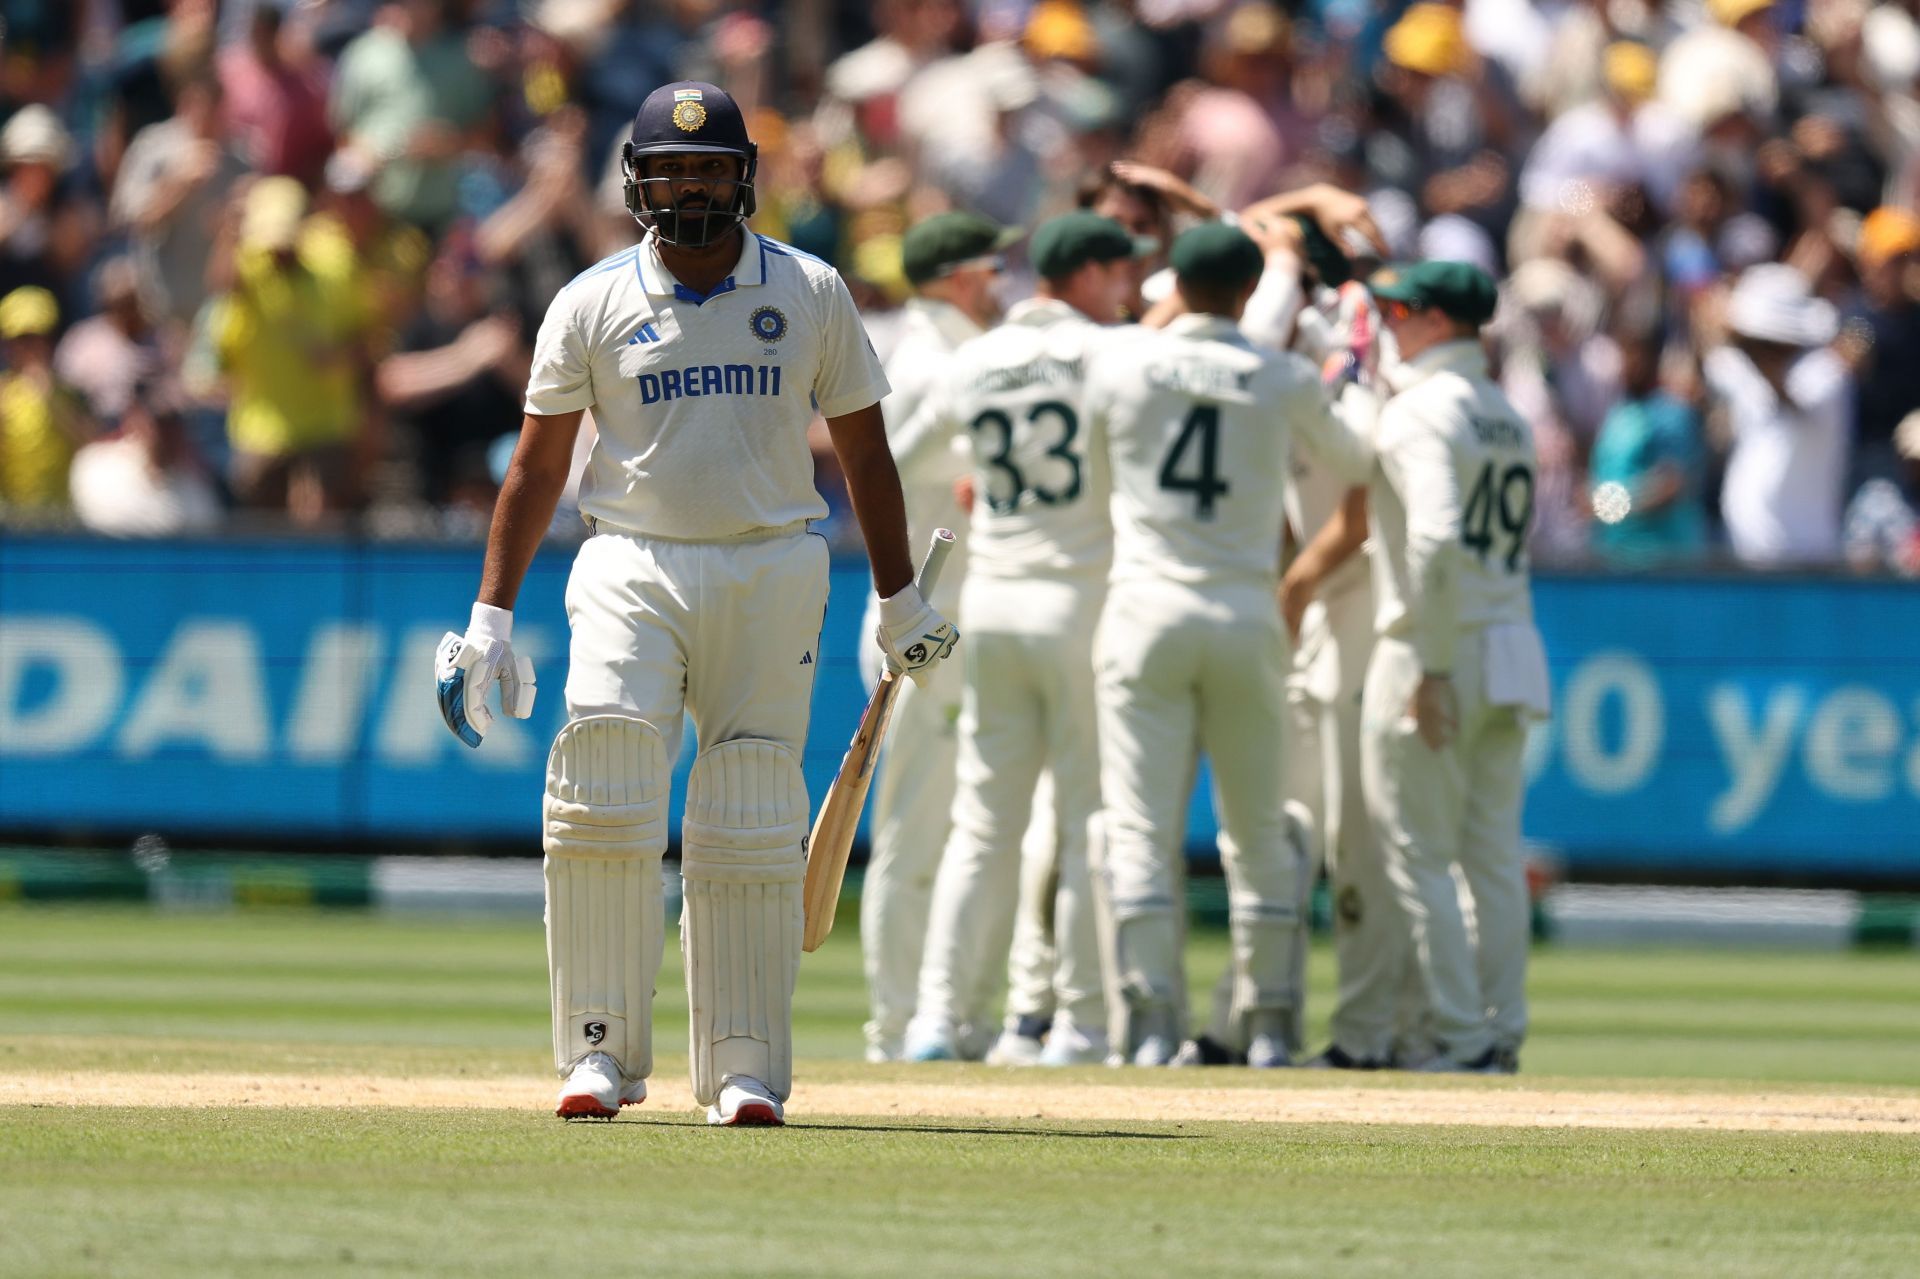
pixel 688 117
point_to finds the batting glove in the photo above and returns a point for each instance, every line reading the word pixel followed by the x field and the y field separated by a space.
pixel 466 666
pixel 913 635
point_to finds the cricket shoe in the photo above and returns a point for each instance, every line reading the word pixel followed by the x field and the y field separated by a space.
pixel 745 1102
pixel 1018 1045
pixel 1487 1063
pixel 1068 1045
pixel 1267 1039
pixel 1157 1040
pixel 1334 1057
pixel 885 1049
pixel 594 1089
pixel 927 1042
pixel 1205 1050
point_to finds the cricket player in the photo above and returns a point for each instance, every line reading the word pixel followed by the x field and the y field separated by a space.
pixel 1191 653
pixel 1457 667
pixel 702 351
pixel 953 262
pixel 1040 547
pixel 1327 602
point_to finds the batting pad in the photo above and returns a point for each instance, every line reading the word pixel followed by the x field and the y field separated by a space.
pixel 743 857
pixel 605 830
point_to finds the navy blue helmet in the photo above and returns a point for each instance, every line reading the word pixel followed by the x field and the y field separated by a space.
pixel 689 116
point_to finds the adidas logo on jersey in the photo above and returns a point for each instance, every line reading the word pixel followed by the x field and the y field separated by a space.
pixel 646 333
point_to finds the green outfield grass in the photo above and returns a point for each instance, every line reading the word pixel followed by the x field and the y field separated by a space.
pixel 178 1191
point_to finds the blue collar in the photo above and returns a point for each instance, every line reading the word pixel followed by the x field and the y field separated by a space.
pixel 685 294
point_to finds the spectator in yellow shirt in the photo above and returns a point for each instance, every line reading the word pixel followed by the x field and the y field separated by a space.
pixel 290 339
pixel 41 422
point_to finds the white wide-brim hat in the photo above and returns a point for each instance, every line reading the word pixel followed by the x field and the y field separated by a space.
pixel 1774 303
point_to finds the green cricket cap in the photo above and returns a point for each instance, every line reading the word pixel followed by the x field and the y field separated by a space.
pixel 945 240
pixel 1214 255
pixel 1458 289
pixel 1064 244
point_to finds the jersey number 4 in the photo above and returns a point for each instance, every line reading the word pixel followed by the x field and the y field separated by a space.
pixel 1003 503
pixel 1506 502
pixel 1200 433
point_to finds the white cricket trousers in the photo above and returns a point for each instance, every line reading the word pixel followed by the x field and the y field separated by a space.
pixel 1434 810
pixel 1380 994
pixel 728 632
pixel 1379 997
pixel 1181 672
pixel 1028 708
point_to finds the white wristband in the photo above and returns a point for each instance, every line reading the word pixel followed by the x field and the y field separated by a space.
pixel 490 623
pixel 901 607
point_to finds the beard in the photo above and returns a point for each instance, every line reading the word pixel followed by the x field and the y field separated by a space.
pixel 693 224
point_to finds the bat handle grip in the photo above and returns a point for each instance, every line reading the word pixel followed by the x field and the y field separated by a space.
pixel 938 549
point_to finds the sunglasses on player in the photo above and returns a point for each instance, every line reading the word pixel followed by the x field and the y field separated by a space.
pixel 1398 310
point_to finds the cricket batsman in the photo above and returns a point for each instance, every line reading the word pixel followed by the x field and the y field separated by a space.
pixel 1458 668
pixel 702 351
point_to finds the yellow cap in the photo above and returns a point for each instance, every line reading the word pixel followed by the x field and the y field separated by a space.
pixel 1886 233
pixel 1631 69
pixel 28 311
pixel 1728 13
pixel 1060 29
pixel 1428 39
pixel 271 219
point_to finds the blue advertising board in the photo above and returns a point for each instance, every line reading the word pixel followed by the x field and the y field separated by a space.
pixel 1710 727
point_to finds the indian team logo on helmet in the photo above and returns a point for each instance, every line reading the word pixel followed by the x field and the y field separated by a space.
pixel 769 324
pixel 689 111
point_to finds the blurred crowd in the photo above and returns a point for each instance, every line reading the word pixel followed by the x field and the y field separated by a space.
pixel 283 259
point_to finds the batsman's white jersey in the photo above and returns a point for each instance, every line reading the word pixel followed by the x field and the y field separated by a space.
pixel 703 401
pixel 1192 655
pixel 700 593
pixel 1451 506
pixel 913 791
pixel 1039 553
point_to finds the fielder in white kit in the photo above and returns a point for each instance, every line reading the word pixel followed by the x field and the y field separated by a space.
pixel 1332 634
pixel 1191 654
pixel 1327 601
pixel 703 351
pixel 953 261
pixel 1458 668
pixel 1041 543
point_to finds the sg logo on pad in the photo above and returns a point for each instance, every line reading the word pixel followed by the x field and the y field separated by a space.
pixel 595 1031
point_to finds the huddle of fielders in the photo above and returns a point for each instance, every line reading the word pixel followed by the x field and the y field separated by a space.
pixel 1168 524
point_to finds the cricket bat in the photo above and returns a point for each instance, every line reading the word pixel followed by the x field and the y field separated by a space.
pixel 839 817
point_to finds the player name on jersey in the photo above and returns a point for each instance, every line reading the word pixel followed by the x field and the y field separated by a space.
pixel 1202 379
pixel 1039 372
pixel 709 379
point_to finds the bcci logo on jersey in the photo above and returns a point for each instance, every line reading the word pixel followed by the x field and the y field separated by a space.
pixel 769 324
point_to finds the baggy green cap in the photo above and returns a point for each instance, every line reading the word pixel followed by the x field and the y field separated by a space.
pixel 1458 289
pixel 945 240
pixel 1064 244
pixel 1214 255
